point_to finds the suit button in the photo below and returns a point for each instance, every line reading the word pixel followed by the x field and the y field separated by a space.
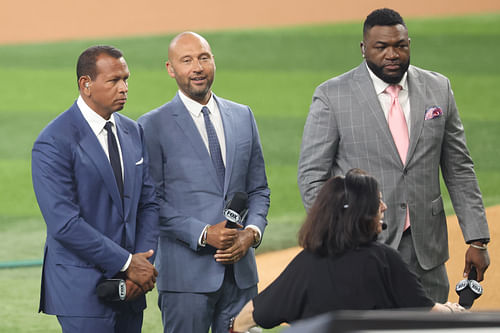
pixel 405 172
pixel 403 206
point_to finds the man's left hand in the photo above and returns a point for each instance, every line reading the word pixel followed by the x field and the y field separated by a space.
pixel 231 255
pixel 477 258
pixel 133 290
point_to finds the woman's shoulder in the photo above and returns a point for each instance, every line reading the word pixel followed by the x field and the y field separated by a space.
pixel 386 254
pixel 382 250
pixel 380 247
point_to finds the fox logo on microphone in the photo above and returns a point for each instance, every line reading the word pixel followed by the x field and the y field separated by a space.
pixel 232 216
pixel 236 210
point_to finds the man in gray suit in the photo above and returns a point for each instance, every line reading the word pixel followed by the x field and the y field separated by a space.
pixel 353 123
pixel 203 149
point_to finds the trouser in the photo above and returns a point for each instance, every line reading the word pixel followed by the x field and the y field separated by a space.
pixel 118 322
pixel 197 312
pixel 435 281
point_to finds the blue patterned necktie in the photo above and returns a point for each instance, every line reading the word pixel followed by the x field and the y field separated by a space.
pixel 214 146
pixel 114 157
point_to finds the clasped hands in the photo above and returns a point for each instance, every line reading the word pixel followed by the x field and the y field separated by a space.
pixel 141 275
pixel 231 244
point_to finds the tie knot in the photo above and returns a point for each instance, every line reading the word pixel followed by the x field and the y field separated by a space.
pixel 393 90
pixel 205 111
pixel 108 126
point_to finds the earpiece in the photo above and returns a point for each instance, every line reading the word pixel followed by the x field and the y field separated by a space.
pixel 86 84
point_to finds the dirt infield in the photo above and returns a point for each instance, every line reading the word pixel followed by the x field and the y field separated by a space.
pixel 271 264
pixel 35 21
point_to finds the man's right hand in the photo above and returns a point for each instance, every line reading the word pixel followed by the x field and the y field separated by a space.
pixel 221 237
pixel 141 271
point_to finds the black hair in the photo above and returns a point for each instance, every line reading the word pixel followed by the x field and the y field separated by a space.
pixel 383 16
pixel 343 215
pixel 86 64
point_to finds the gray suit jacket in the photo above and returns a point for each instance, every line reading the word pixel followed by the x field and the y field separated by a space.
pixel 191 195
pixel 346 128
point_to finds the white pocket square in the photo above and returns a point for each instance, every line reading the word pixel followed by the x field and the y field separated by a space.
pixel 140 161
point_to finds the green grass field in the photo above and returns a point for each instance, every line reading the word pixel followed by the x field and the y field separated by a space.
pixel 273 71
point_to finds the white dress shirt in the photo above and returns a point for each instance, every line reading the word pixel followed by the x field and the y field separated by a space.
pixel 96 123
pixel 194 109
pixel 385 99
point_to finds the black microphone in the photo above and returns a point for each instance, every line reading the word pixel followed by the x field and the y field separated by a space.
pixel 469 289
pixel 236 210
pixel 112 290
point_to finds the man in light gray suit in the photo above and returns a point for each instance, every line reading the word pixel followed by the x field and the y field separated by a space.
pixel 203 149
pixel 351 124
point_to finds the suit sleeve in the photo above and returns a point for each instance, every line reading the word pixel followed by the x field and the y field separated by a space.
pixel 460 178
pixel 256 184
pixel 319 147
pixel 54 185
pixel 147 230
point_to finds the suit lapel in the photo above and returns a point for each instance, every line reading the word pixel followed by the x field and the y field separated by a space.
pixel 91 146
pixel 369 102
pixel 416 88
pixel 185 122
pixel 229 130
pixel 126 145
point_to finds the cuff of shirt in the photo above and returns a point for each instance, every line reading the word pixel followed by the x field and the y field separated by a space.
pixel 125 267
pixel 200 239
pixel 482 240
pixel 256 228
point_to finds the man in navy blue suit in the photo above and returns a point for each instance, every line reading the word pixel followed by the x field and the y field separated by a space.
pixel 203 150
pixel 91 180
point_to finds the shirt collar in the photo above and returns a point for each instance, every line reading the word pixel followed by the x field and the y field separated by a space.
pixel 194 107
pixel 381 85
pixel 95 121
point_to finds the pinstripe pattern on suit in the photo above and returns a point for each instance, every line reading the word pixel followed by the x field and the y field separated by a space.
pixel 346 128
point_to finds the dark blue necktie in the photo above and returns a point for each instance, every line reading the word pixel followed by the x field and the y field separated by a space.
pixel 214 146
pixel 114 157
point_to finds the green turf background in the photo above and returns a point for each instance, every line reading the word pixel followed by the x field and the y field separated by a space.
pixel 273 71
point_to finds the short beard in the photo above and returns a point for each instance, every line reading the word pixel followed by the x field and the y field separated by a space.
pixel 391 79
pixel 199 95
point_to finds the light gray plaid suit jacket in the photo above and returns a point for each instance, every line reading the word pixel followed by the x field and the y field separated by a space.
pixel 346 128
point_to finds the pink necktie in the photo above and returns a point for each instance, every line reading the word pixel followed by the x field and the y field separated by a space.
pixel 397 123
pixel 399 131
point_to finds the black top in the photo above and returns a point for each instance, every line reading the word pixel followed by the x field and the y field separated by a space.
pixel 371 277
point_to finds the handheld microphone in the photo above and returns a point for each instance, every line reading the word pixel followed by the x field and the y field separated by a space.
pixel 469 289
pixel 236 210
pixel 112 290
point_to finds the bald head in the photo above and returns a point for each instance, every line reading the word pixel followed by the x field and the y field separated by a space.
pixel 186 37
pixel 191 64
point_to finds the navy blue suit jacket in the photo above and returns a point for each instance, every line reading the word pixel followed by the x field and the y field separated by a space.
pixel 90 230
pixel 191 195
